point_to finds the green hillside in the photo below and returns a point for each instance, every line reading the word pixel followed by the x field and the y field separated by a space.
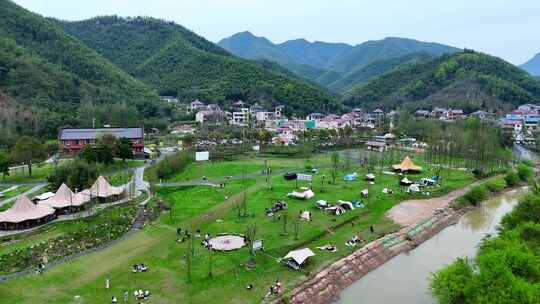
pixel 376 68
pixel 467 79
pixel 46 74
pixel 175 61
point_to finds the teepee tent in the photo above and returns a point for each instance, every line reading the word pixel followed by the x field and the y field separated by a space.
pixel 25 211
pixel 407 166
pixel 102 189
pixel 64 198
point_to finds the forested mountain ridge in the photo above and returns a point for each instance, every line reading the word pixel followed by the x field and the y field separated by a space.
pixel 175 61
pixel 46 75
pixel 532 66
pixel 468 79
pixel 337 66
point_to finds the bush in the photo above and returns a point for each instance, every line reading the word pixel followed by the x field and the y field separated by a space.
pixel 511 178
pixel 476 194
pixel 524 172
pixel 496 184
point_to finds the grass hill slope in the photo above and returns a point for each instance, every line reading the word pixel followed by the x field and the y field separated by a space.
pixel 467 79
pixel 175 61
pixel 47 74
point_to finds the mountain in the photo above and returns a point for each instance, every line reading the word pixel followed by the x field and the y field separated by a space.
pixel 46 74
pixel 532 66
pixel 467 79
pixel 376 68
pixel 176 61
pixel 337 66
pixel 299 51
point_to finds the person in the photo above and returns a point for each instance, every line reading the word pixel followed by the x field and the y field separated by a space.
pixel 198 233
pixel 114 300
pixel 371 229
pixel 107 284
pixel 126 295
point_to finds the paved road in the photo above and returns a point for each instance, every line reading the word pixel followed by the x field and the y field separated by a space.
pixel 34 189
pixel 524 154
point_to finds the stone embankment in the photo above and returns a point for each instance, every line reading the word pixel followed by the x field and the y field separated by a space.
pixel 327 285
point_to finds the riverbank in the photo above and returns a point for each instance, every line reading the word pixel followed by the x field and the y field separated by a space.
pixel 327 285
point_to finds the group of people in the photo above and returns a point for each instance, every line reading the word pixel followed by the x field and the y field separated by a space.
pixel 278 206
pixel 355 240
pixel 140 268
pixel 275 289
pixel 139 295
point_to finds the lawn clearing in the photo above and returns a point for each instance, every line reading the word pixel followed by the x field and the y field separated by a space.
pixel 205 208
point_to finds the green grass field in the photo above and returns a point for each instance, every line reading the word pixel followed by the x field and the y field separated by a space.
pixel 206 208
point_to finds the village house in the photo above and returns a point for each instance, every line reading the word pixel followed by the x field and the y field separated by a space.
pixel 169 99
pixel 72 141
pixel 315 116
pixel 482 115
pixel 195 105
pixel 373 145
pixel 422 114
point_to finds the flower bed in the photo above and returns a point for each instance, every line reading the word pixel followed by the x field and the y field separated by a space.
pixel 97 230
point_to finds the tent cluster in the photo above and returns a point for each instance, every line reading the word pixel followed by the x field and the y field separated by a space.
pixel 25 214
pixel 307 194
pixel 340 207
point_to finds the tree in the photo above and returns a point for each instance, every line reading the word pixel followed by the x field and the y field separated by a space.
pixel 27 150
pixel 335 164
pixel 4 163
pixel 89 154
pixel 104 154
pixel 124 149
pixel 77 174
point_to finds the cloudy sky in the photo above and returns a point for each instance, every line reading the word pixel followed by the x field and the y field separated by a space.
pixel 504 28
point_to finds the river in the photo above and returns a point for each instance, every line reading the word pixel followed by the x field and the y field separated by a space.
pixel 405 278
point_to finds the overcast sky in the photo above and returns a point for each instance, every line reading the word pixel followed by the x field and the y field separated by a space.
pixel 504 28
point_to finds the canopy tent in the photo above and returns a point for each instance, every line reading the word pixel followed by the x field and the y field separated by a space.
pixel 407 166
pixel 64 198
pixel 298 257
pixel 305 215
pixel 302 195
pixel 427 181
pixel 24 210
pixel 102 189
pixel 364 193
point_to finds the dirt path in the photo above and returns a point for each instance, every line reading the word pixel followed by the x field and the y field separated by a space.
pixel 409 212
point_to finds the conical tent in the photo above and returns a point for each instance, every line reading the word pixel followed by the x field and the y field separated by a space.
pixel 64 197
pixel 24 210
pixel 407 165
pixel 101 188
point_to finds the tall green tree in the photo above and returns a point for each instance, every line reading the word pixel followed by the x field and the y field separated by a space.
pixel 4 163
pixel 124 149
pixel 334 158
pixel 27 150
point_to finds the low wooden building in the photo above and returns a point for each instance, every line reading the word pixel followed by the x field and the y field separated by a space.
pixel 72 141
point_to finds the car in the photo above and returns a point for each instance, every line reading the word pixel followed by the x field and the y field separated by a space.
pixel 290 176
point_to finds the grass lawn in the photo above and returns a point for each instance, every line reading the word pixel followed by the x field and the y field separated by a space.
pixel 120 178
pixel 206 208
pixel 218 169
pixel 13 193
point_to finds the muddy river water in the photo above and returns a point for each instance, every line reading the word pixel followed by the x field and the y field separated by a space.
pixel 405 278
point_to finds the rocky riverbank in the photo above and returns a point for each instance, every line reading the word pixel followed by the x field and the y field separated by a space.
pixel 326 286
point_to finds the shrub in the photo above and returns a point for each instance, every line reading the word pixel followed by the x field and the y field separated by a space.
pixel 524 172
pixel 476 194
pixel 496 184
pixel 511 178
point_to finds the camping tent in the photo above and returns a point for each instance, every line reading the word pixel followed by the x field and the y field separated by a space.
pixel 335 210
pixel 370 177
pixel 297 257
pixel 407 166
pixel 305 215
pixel 405 182
pixel 427 182
pixel 413 188
pixel 346 205
pixel 302 195
pixel 350 177
pixel 25 211
pixel 365 192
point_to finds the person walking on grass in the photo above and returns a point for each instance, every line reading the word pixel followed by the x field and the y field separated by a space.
pixel 126 296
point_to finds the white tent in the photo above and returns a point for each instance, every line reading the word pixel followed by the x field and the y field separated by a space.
pixel 370 177
pixel 335 210
pixel 306 215
pixel 322 203
pixel 302 195
pixel 299 256
pixel 414 188
pixel 102 189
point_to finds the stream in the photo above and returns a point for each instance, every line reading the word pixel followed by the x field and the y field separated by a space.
pixel 406 278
